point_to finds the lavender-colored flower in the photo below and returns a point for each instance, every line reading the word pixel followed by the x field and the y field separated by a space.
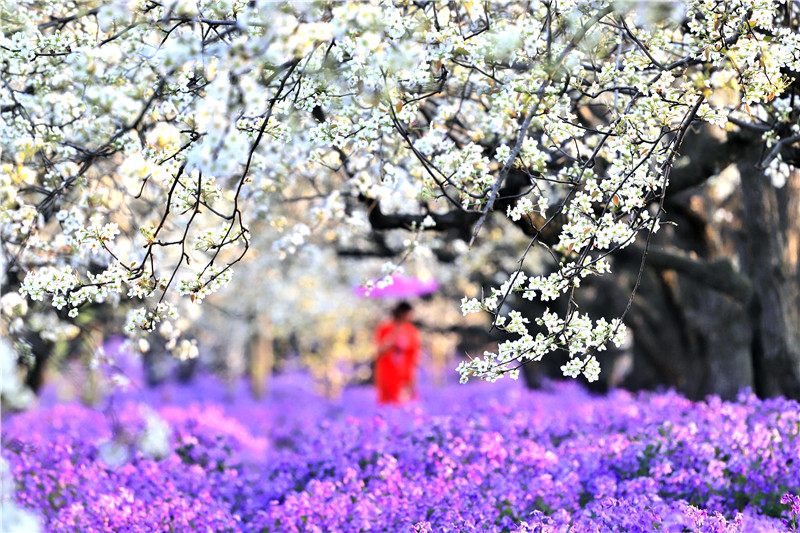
pixel 467 458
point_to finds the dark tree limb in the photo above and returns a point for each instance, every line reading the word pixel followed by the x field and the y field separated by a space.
pixel 718 275
pixel 705 153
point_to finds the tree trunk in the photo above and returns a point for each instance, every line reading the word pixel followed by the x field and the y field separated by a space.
pixel 262 357
pixel 772 230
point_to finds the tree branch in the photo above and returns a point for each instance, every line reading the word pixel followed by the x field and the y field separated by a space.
pixel 718 275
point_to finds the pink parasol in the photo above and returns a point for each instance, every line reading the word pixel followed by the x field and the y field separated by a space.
pixel 402 287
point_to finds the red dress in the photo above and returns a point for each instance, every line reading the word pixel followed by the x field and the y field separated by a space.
pixel 396 365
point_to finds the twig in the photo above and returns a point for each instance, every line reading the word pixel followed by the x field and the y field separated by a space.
pixel 775 149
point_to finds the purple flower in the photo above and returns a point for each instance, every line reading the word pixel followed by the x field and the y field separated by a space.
pixel 466 458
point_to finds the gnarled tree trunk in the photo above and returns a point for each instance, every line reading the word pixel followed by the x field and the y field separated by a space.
pixel 772 228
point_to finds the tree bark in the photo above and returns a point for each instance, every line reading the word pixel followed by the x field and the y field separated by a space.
pixel 772 230
pixel 261 357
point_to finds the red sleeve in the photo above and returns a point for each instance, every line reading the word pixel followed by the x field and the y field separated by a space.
pixel 382 331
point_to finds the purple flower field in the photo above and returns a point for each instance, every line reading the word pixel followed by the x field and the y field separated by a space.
pixel 463 458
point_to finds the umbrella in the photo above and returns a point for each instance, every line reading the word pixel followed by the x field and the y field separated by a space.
pixel 401 287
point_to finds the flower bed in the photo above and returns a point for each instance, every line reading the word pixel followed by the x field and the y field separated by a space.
pixel 464 458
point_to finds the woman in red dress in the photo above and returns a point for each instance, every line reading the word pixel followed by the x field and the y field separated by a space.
pixel 398 343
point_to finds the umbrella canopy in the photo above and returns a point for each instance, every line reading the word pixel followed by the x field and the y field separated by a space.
pixel 401 287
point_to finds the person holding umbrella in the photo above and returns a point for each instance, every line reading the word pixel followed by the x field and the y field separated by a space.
pixel 397 340
pixel 399 347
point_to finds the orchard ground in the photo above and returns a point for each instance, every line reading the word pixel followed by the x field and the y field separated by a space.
pixel 480 457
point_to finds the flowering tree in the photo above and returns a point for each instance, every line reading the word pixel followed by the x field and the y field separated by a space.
pixel 143 142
